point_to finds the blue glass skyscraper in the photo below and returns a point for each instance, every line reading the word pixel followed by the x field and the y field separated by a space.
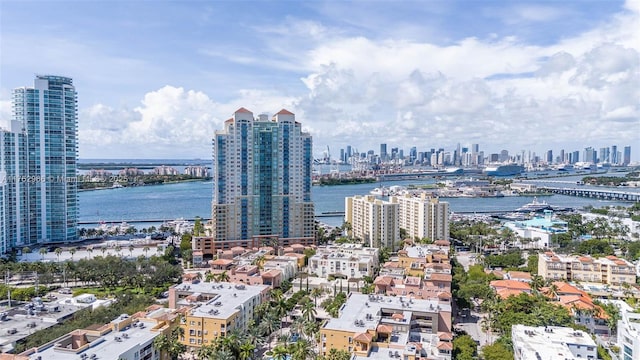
pixel 262 182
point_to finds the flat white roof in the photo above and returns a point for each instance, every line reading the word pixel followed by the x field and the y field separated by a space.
pixel 551 342
pixel 358 306
pixel 106 346
pixel 226 297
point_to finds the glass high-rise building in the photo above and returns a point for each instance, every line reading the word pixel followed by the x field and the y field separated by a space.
pixel 626 157
pixel 39 158
pixel 262 182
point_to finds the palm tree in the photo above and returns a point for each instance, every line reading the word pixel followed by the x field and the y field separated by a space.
pixel 131 247
pixel 259 261
pixel 72 250
pixel 309 311
pixel 146 251
pixel 269 325
pixel 43 252
pixel 280 352
pixel 58 252
pixel 316 292
pixel 26 250
pixel 302 350
pixel 553 290
pixel 118 250
pixel 223 277
pixel 246 350
pixel 206 352
pixel 90 251
pixel 537 282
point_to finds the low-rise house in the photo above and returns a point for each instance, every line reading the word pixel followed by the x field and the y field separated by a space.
pixel 580 305
pixel 346 260
pixel 506 288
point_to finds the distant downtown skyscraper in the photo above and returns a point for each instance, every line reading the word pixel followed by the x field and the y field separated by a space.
pixel 38 167
pixel 262 182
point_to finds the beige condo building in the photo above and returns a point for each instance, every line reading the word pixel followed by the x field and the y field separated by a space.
pixel 213 309
pixel 423 217
pixel 608 270
pixel 373 220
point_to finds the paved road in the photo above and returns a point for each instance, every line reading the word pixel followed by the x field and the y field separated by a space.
pixel 471 324
pixel 466 259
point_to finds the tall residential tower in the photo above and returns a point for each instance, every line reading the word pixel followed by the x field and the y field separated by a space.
pixel 261 182
pixel 39 156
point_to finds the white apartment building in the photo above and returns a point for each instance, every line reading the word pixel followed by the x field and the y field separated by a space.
pixel 373 220
pixel 423 217
pixel 608 270
pixel 551 342
pixel 350 260
pixel 629 335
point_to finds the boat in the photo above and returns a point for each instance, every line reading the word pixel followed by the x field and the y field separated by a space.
pixel 535 206
pixel 381 191
pixel 564 167
pixel 503 170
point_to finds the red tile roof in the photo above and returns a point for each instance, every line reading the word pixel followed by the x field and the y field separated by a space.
pixel 284 112
pixel 385 329
pixel 440 277
pixel 243 110
pixel 510 284
pixel 363 337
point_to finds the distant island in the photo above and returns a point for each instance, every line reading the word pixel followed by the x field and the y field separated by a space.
pixel 343 181
pixel 120 181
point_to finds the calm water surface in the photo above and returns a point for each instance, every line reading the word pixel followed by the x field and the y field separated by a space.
pixel 188 200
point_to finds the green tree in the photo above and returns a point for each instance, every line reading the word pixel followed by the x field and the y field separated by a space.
pixel 302 350
pixel 280 352
pixel 336 355
pixel 496 351
pixel 198 228
pixel 246 350
pixel 43 252
pixel 58 252
pixel 464 348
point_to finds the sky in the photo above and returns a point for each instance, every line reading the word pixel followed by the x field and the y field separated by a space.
pixel 155 79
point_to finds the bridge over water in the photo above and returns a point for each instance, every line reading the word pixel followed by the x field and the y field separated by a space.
pixel 595 193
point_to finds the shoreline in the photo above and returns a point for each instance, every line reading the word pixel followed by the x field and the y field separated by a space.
pixel 144 185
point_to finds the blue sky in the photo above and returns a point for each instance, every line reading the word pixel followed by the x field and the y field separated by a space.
pixel 155 79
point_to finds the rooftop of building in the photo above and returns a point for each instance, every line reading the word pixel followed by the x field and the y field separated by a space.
pixel 608 260
pixel 110 345
pixel 223 297
pixel 362 312
pixel 26 320
pixel 549 342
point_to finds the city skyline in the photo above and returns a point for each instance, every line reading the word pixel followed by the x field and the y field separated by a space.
pixel 544 75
